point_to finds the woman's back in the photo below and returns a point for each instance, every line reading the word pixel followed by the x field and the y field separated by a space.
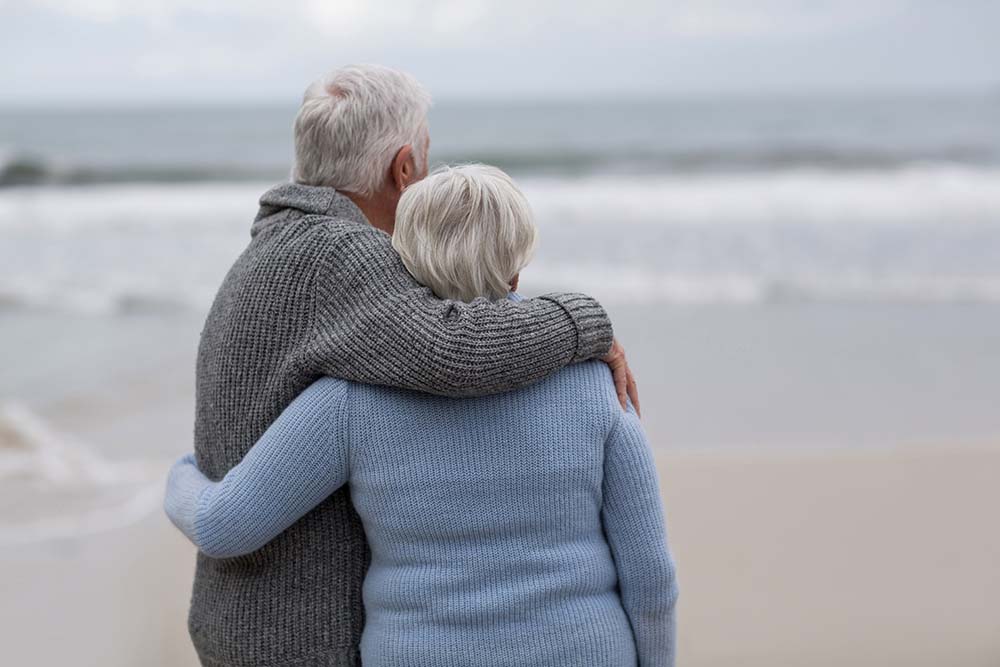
pixel 484 520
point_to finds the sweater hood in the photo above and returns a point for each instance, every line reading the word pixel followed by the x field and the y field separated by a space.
pixel 309 200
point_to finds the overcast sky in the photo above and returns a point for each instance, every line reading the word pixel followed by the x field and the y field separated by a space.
pixel 110 51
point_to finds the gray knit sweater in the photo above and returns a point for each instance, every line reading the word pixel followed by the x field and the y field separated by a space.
pixel 319 292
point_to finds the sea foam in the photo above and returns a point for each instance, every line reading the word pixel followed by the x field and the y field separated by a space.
pixel 45 468
pixel 920 233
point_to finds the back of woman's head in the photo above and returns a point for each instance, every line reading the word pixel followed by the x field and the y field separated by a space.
pixel 465 232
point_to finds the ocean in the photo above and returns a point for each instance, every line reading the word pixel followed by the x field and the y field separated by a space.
pixel 676 202
pixel 798 273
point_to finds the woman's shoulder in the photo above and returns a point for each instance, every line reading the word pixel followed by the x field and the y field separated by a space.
pixel 586 388
pixel 591 375
pixel 325 395
pixel 582 392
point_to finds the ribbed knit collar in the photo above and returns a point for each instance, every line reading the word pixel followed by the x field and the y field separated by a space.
pixel 309 199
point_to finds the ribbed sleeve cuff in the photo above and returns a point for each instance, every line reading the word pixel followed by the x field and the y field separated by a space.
pixel 185 485
pixel 593 326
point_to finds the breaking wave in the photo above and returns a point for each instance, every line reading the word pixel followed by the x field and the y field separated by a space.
pixel 66 488
pixel 18 169
pixel 927 233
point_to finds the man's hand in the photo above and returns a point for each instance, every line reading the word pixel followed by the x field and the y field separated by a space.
pixel 624 380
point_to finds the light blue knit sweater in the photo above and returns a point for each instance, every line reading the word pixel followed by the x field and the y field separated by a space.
pixel 518 529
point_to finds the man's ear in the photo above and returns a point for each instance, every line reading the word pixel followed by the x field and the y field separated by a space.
pixel 404 168
pixel 514 281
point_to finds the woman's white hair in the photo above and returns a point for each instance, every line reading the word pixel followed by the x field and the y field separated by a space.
pixel 353 122
pixel 465 232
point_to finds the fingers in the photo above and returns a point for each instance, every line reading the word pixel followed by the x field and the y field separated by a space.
pixel 633 391
pixel 619 370
pixel 625 385
pixel 615 355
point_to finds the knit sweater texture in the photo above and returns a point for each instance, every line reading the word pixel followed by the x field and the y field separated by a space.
pixel 522 530
pixel 320 292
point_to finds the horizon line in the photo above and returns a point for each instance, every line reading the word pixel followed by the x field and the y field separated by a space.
pixel 526 98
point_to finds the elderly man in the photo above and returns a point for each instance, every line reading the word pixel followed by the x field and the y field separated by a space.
pixel 319 291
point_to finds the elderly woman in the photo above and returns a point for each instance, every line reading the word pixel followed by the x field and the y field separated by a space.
pixel 518 529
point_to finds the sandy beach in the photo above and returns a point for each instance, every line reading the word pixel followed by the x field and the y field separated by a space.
pixel 867 558
pixel 839 558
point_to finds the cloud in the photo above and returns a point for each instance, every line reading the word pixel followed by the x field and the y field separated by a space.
pixel 412 20
pixel 256 48
pixel 774 18
pixel 107 11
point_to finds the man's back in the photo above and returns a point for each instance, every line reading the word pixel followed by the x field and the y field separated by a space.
pixel 254 609
pixel 319 292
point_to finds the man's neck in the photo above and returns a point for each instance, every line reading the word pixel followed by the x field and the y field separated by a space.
pixel 378 214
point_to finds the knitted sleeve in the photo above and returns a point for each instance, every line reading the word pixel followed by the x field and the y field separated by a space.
pixel 299 461
pixel 374 323
pixel 632 515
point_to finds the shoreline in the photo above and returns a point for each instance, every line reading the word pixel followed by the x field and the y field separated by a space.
pixel 797 377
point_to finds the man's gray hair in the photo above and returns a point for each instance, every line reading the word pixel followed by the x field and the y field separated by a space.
pixel 465 232
pixel 353 122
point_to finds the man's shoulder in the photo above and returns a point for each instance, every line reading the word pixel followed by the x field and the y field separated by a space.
pixel 346 245
pixel 337 226
pixel 334 233
pixel 295 218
